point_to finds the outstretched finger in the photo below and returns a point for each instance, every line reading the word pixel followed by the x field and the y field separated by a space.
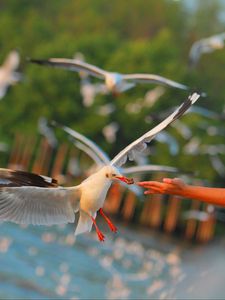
pixel 168 180
pixel 149 184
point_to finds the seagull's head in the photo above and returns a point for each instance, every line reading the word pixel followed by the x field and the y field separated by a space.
pixel 113 173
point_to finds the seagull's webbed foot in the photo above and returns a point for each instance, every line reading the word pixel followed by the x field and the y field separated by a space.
pixel 109 222
pixel 101 236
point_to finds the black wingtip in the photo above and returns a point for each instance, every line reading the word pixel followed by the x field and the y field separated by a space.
pixel 37 61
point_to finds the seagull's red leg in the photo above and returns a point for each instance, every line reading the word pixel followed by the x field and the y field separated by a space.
pixel 109 222
pixel 101 236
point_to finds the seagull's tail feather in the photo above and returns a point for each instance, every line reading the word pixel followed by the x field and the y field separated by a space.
pixel 84 224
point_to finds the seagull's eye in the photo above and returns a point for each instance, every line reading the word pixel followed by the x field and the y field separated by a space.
pixel 107 175
pixel 114 175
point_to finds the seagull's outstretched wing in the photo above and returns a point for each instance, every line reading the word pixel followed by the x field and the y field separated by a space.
pixel 205 45
pixel 152 78
pixel 13 178
pixel 141 143
pixel 102 156
pixel 89 152
pixel 27 198
pixel 72 65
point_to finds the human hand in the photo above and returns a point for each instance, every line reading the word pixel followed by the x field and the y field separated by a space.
pixel 173 186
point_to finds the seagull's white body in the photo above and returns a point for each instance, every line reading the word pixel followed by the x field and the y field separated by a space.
pixel 114 81
pixel 33 199
pixel 93 193
pixel 8 74
pixel 206 45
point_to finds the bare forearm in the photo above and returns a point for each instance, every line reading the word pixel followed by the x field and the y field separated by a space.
pixel 211 195
pixel 175 186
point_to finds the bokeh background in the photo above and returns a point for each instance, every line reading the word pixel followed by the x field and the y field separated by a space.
pixel 135 36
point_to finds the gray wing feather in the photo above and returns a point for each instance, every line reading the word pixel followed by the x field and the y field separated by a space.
pixel 141 143
pixel 148 168
pixel 37 206
pixel 72 65
pixel 152 78
pixel 102 156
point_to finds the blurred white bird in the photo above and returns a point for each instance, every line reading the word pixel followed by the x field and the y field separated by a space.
pixel 115 82
pixel 88 89
pixel 8 74
pixel 206 45
pixel 105 109
pixel 47 131
pixel 109 131
pixel 148 101
pixel 32 199
pixel 201 216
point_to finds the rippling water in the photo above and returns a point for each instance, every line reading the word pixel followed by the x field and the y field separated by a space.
pixel 48 262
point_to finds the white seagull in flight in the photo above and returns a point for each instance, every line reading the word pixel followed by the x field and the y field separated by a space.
pixel 206 45
pixel 27 198
pixel 8 74
pixel 115 82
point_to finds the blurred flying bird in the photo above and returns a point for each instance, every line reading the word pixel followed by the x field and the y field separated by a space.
pixel 105 109
pixel 109 131
pixel 148 101
pixel 32 199
pixel 115 82
pixel 8 74
pixel 47 131
pixel 88 89
pixel 206 45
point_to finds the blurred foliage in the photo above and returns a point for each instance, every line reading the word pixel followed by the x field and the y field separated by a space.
pixel 126 36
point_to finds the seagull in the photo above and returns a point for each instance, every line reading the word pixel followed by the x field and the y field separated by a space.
pixel 115 82
pixel 148 101
pixel 47 131
pixel 88 89
pixel 28 198
pixel 8 74
pixel 206 45
pixel 109 131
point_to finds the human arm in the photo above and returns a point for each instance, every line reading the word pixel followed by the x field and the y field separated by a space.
pixel 177 187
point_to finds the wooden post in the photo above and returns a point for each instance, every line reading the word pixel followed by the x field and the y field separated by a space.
pixel 145 213
pixel 155 217
pixel 41 164
pixel 172 214
pixel 129 206
pixel 16 153
pixel 206 228
pixel 113 200
pixel 59 161
pixel 27 153
pixel 191 223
